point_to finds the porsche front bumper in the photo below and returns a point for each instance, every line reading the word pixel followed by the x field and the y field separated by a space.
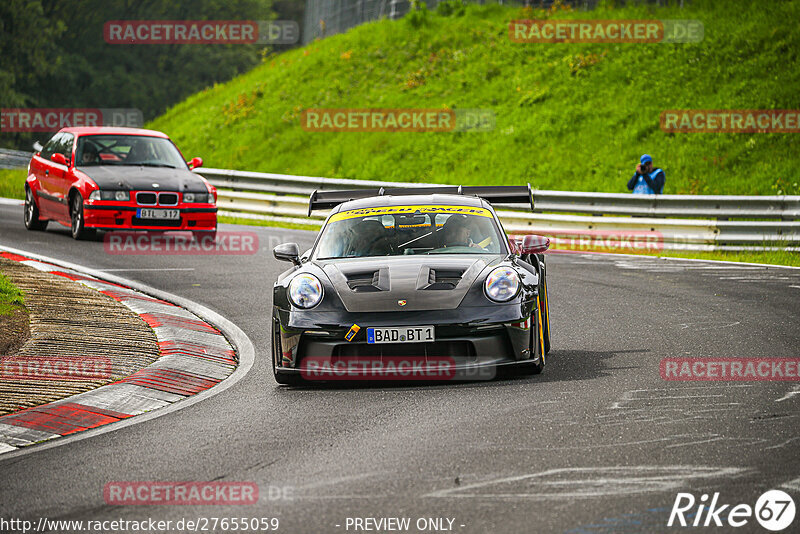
pixel 490 336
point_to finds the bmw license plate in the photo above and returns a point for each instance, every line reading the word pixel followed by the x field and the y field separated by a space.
pixel 150 213
pixel 403 334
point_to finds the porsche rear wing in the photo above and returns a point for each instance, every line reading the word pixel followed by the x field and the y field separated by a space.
pixel 501 194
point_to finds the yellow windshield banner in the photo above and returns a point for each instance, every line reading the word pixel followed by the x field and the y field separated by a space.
pixel 409 210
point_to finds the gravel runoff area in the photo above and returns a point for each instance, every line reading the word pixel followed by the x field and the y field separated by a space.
pixel 80 339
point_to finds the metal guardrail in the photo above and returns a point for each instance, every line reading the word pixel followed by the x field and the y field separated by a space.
pixel 14 159
pixel 705 206
pixel 607 220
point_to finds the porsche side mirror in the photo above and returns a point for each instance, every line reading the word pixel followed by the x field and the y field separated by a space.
pixel 58 158
pixel 287 252
pixel 533 244
pixel 195 163
pixel 37 146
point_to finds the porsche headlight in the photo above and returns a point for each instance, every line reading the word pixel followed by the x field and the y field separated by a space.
pixel 502 284
pixel 305 291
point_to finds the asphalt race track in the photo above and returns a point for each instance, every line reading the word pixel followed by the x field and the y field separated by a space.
pixel 598 443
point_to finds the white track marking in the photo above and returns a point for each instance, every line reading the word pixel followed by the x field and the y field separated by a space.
pixel 754 278
pixel 629 396
pixel 789 395
pixel 591 482
pixel 780 445
pixel 707 325
pixel 339 480
pixel 709 440
pixel 601 446
pixel 792 484
pixel 696 263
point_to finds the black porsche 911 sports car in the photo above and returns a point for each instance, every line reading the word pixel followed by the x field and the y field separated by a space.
pixel 411 283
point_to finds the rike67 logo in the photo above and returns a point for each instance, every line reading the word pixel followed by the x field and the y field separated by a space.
pixel 774 511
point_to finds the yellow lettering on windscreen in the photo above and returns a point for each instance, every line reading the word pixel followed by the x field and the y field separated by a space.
pixel 409 210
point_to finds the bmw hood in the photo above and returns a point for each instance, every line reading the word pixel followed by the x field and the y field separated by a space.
pixel 137 178
pixel 405 283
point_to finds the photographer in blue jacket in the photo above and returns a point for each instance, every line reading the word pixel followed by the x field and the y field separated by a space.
pixel 647 180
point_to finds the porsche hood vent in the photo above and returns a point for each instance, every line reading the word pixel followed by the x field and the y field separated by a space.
pixel 373 280
pixel 378 280
pixel 430 283
pixel 443 279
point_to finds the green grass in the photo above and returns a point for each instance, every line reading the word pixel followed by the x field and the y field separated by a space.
pixel 12 183
pixel 274 224
pixel 562 122
pixel 11 297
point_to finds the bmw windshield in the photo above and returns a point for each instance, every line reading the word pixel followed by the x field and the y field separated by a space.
pixel 410 230
pixel 128 150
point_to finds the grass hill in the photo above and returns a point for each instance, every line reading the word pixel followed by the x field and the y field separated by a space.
pixel 569 116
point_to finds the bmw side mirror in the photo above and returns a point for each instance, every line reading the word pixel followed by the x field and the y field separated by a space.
pixel 534 244
pixel 37 146
pixel 287 252
pixel 195 163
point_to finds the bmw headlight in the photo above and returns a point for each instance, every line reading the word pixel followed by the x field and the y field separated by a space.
pixel 195 197
pixel 198 198
pixel 502 284
pixel 305 291
pixel 109 195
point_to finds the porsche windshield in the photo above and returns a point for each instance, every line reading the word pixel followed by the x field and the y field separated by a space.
pixel 409 230
pixel 128 150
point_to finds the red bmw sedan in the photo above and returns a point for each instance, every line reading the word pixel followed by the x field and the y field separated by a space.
pixel 102 178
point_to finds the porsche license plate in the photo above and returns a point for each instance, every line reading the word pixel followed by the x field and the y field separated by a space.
pixel 150 213
pixel 402 334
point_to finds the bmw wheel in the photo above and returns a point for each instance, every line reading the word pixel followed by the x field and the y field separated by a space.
pixel 32 221
pixel 77 226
